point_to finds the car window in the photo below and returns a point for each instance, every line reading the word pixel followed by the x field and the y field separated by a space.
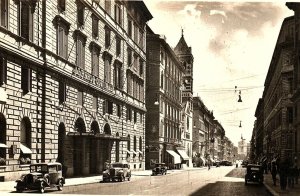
pixel 59 168
pixel 52 168
pixel 39 168
pixel 117 165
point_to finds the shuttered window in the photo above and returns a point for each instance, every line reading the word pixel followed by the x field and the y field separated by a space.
pixel 26 80
pixel 4 13
pixel 61 5
pixel 95 27
pixel 118 14
pixel 80 14
pixel 95 62
pixel 62 92
pixel 107 70
pixel 107 37
pixel 80 50
pixel 118 46
pixel 3 71
pixel 62 41
pixel 26 20
pixel 80 98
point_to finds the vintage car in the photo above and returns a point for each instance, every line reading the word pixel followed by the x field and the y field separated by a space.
pixel 41 176
pixel 117 171
pixel 159 168
pixel 254 173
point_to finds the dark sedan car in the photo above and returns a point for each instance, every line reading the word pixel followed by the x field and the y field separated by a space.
pixel 254 173
pixel 117 171
pixel 160 168
pixel 41 176
pixel 226 163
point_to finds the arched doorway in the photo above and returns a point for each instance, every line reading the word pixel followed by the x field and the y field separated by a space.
pixel 25 141
pixel 117 149
pixel 61 143
pixel 79 148
pixel 93 156
pixel 2 136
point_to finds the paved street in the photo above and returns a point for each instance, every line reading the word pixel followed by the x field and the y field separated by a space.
pixel 217 181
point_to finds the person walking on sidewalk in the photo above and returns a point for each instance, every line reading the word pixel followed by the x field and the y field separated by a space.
pixel 274 172
pixel 283 174
pixel 296 173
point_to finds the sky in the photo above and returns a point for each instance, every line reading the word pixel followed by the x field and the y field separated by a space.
pixel 232 44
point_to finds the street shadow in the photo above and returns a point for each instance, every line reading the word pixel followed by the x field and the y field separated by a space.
pixel 231 188
pixel 236 173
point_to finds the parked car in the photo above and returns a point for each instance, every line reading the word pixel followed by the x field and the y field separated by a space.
pixel 216 163
pixel 244 163
pixel 117 171
pixel 226 163
pixel 41 176
pixel 254 173
pixel 159 168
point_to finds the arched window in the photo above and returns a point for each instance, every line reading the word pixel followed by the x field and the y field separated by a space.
pixel 80 126
pixel 61 140
pixel 128 143
pixel 134 143
pixel 2 136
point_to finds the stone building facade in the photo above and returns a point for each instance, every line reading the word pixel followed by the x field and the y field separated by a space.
pixel 163 102
pixel 204 127
pixel 275 108
pixel 72 84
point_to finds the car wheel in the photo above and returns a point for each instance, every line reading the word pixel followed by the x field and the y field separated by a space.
pixel 60 185
pixel 42 188
pixel 19 190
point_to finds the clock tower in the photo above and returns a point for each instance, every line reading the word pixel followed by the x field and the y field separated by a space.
pixel 185 56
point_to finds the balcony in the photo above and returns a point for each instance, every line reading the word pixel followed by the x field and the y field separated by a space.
pixel 187 94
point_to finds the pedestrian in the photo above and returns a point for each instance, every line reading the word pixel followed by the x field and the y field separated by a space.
pixel 296 174
pixel 290 177
pixel 274 172
pixel 283 169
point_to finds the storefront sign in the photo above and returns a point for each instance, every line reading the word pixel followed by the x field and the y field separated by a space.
pixel 86 76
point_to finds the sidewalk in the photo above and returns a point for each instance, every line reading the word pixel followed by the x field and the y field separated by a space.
pixel 71 183
pixel 275 190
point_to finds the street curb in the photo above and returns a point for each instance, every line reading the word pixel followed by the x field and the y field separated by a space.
pixel 270 190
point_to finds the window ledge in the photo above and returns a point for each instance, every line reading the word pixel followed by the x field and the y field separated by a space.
pixel 2 166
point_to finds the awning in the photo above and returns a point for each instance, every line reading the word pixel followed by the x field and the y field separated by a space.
pixel 183 154
pixel 3 145
pixel 175 156
pixel 25 149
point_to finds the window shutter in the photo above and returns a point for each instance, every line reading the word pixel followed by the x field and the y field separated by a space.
pixel 62 92
pixel 3 71
pixel 60 41
pixel 24 20
pixel 62 5
pixel 104 107
pixel 26 80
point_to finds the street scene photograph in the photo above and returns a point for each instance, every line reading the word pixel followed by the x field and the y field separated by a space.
pixel 149 97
